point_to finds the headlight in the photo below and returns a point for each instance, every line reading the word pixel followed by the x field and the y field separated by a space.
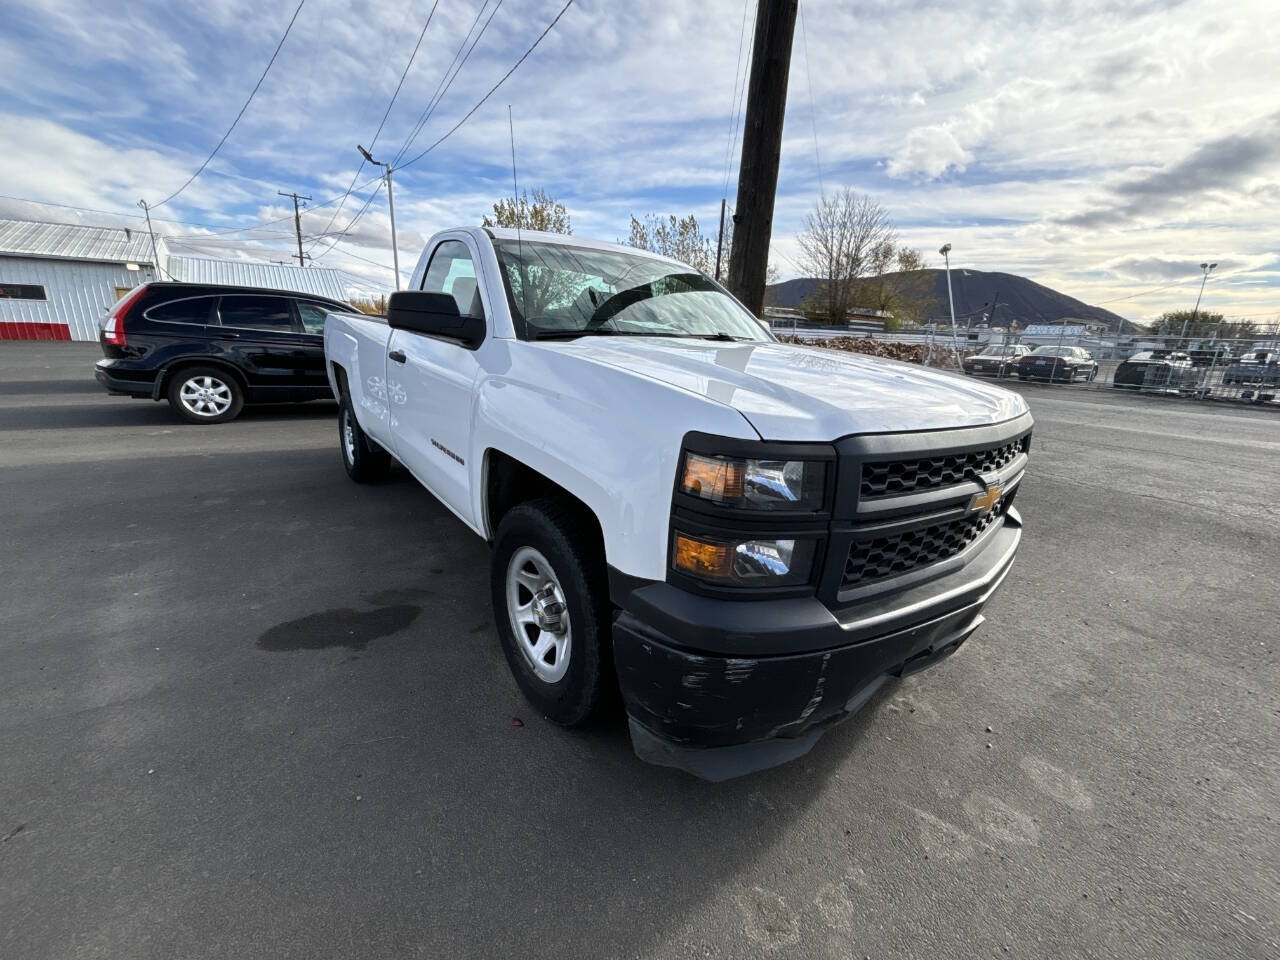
pixel 757 561
pixel 790 485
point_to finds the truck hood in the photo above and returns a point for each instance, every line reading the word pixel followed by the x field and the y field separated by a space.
pixel 790 392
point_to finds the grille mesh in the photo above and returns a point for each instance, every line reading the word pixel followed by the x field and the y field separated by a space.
pixel 900 553
pixel 892 477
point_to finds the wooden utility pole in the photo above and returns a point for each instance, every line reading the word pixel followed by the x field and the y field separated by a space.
pixel 761 151
pixel 297 223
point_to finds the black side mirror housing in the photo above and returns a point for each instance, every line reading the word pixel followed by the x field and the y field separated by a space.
pixel 435 315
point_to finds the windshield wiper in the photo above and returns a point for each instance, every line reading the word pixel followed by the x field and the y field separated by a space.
pixel 596 332
pixel 604 332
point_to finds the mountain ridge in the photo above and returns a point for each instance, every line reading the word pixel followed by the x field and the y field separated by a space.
pixel 1020 299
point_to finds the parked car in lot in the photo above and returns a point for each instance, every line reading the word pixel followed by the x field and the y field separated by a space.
pixel 1209 353
pixel 1156 370
pixel 1259 368
pixel 995 361
pixel 209 350
pixel 1057 363
pixel 748 537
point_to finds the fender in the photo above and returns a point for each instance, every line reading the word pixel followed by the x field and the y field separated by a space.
pixel 158 390
pixel 610 437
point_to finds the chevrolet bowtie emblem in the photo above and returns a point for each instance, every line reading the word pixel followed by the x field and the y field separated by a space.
pixel 987 500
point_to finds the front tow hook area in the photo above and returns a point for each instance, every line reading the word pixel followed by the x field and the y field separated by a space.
pixel 927 658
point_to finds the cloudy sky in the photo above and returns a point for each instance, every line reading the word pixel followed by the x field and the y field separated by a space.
pixel 1102 147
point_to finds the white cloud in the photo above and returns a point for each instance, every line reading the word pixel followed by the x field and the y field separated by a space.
pixel 1063 141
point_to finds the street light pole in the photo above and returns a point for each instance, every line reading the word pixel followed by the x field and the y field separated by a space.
pixel 391 205
pixel 1208 269
pixel 946 255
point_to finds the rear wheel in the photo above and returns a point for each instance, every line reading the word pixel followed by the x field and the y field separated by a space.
pixel 205 395
pixel 365 460
pixel 551 604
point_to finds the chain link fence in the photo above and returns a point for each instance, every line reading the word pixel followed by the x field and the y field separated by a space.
pixel 1220 366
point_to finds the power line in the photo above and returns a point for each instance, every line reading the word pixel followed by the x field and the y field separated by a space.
pixel 492 90
pixel 733 102
pixel 350 223
pixel 446 80
pixel 813 116
pixel 1143 293
pixel 385 113
pixel 252 93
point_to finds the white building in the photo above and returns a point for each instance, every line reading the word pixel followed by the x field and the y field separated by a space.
pixel 57 280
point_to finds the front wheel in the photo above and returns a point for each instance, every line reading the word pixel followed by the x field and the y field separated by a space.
pixel 551 604
pixel 205 395
pixel 365 460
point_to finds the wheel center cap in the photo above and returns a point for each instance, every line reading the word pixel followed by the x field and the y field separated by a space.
pixel 549 610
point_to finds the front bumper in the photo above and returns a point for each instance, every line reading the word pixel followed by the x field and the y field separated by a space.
pixel 721 688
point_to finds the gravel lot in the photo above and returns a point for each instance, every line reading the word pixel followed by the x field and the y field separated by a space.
pixel 249 709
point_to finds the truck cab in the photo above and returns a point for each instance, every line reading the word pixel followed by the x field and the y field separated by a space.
pixel 746 538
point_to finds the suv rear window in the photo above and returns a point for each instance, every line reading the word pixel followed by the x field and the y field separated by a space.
pixel 256 313
pixel 187 310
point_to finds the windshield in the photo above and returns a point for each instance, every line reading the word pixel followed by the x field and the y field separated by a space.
pixel 1053 351
pixel 562 291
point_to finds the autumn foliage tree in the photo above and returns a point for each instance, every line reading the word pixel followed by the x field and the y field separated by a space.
pixel 680 239
pixel 542 212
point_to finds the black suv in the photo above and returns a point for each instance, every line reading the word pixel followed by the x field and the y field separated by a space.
pixel 211 349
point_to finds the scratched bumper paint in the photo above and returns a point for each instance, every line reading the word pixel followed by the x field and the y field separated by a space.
pixel 694 700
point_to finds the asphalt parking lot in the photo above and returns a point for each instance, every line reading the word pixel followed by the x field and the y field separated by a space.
pixel 249 709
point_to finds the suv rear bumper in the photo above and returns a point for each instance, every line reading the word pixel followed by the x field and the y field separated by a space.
pixel 721 688
pixel 108 377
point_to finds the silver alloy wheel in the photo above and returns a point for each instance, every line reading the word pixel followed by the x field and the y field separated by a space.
pixel 348 437
pixel 205 396
pixel 539 614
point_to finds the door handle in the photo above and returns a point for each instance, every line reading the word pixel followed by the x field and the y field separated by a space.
pixel 396 355
pixel 227 335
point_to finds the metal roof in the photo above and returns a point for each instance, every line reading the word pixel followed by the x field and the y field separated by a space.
pixel 322 281
pixel 72 241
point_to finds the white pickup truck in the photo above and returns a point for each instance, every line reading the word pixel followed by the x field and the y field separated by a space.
pixel 748 538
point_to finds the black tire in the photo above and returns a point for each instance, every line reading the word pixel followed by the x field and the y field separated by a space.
pixel 555 531
pixel 366 462
pixel 205 395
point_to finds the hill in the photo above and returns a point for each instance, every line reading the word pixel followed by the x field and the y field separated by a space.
pixel 1021 299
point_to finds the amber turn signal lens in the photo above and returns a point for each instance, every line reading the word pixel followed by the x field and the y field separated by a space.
pixel 700 558
pixel 712 478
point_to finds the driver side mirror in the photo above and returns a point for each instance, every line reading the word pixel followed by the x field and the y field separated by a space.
pixel 434 315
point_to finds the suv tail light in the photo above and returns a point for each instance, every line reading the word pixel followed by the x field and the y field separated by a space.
pixel 113 329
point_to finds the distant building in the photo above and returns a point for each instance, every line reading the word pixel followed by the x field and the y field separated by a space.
pixel 858 320
pixel 58 280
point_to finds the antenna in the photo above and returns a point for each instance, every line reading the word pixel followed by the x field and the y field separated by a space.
pixel 515 195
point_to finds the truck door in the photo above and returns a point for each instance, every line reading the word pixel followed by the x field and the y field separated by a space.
pixel 430 386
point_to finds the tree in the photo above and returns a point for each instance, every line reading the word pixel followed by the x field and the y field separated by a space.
pixel 1202 324
pixel 898 283
pixel 543 213
pixel 842 240
pixel 681 240
pixel 534 286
